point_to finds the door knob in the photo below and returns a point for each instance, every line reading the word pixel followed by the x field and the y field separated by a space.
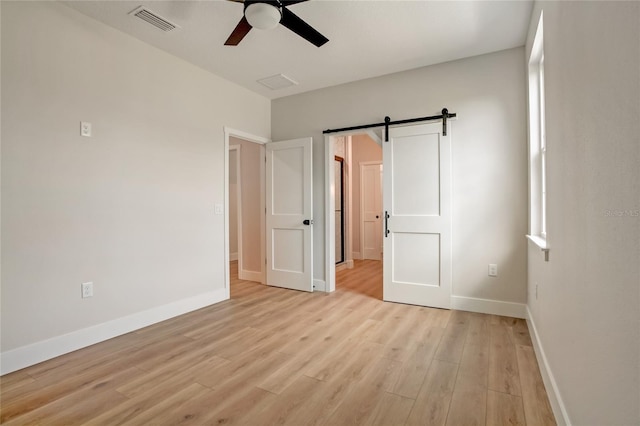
pixel 377 217
pixel 307 222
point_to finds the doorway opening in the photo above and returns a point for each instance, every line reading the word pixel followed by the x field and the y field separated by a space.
pixel 244 208
pixel 417 216
pixel 342 207
pixel 340 212
pixel 356 222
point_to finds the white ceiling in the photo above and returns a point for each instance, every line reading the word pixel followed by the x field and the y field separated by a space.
pixel 366 38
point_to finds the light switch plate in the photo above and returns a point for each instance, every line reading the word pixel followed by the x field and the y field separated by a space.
pixel 493 270
pixel 85 129
pixel 217 208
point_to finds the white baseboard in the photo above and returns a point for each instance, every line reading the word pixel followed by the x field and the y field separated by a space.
pixel 319 285
pixel 356 255
pixel 233 256
pixel 250 275
pixel 347 264
pixel 35 353
pixel 487 306
pixel 557 405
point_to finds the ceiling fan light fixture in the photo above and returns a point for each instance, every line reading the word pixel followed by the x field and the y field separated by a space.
pixel 263 16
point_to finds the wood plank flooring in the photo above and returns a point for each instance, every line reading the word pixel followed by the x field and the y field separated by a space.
pixel 271 356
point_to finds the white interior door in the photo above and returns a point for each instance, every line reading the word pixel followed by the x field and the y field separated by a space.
pixel 289 214
pixel 371 210
pixel 417 199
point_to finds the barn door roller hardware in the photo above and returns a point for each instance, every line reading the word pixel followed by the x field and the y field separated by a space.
pixel 387 123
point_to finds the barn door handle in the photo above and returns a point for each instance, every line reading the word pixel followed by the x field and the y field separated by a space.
pixel 307 222
pixel 386 224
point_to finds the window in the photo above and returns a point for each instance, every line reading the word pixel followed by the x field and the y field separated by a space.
pixel 537 142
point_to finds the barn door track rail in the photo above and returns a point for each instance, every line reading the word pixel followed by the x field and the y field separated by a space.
pixel 387 123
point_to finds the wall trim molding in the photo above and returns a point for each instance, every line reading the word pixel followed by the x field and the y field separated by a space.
pixel 233 256
pixel 487 306
pixel 246 275
pixel 319 285
pixel 557 405
pixel 35 353
pixel 356 255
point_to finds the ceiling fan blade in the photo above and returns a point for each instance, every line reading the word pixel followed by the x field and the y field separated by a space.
pixel 238 33
pixel 289 2
pixel 304 30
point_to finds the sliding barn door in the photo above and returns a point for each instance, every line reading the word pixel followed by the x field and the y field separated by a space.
pixel 289 215
pixel 417 204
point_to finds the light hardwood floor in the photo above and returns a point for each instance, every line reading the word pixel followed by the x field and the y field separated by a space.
pixel 273 356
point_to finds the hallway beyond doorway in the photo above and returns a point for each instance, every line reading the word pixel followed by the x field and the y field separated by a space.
pixel 364 278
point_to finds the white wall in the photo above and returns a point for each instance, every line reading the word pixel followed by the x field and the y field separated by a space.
pixel 130 209
pixel 0 172
pixel 489 156
pixel 233 204
pixel 587 313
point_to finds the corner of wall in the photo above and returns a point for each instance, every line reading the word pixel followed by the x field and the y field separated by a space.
pixel 555 399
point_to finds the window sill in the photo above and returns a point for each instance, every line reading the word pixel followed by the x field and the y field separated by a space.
pixel 541 243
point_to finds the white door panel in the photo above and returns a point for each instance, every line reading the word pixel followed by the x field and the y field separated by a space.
pixel 416 158
pixel 289 166
pixel 417 198
pixel 289 204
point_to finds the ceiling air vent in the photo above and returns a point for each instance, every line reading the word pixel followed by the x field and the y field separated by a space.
pixel 279 81
pixel 153 19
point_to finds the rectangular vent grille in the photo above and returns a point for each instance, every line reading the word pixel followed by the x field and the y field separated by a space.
pixel 278 81
pixel 153 19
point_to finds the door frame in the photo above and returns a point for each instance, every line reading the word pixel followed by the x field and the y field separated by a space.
pixel 329 205
pixel 228 133
pixel 360 166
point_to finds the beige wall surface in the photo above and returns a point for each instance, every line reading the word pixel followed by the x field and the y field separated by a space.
pixel 363 148
pixel 587 310
pixel 252 186
pixel 489 156
pixel 233 201
pixel 131 208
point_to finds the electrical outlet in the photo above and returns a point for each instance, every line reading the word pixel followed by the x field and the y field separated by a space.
pixel 493 270
pixel 87 290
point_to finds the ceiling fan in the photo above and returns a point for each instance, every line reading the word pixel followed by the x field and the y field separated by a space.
pixel 266 15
